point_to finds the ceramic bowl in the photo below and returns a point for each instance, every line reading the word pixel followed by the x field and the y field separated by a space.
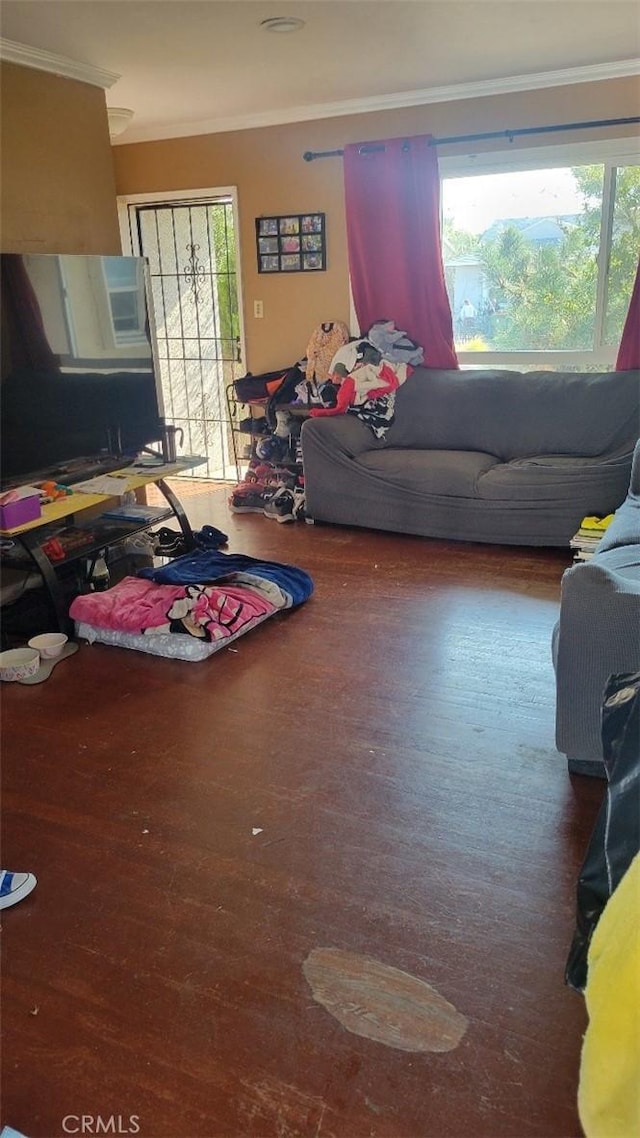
pixel 49 644
pixel 19 663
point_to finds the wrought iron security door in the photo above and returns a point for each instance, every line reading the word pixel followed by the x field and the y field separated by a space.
pixel 192 261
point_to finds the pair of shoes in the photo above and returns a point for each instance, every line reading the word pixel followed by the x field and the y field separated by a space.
pixel 273 448
pixel 300 505
pixel 254 426
pixel 270 474
pixel 285 506
pixel 210 538
pixel 168 542
pixel 15 887
pixel 250 499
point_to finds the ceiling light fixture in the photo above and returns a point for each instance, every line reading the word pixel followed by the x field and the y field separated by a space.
pixel 282 24
pixel 119 119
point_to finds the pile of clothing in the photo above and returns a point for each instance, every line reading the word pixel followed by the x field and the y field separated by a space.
pixel 366 374
pixel 205 594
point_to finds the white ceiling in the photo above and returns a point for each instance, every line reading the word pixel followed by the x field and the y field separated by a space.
pixel 189 66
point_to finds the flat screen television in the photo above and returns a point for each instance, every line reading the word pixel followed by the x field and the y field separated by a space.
pixel 79 382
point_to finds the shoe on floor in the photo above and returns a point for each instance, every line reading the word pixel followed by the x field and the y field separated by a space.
pixel 15 887
pixel 168 542
pixel 210 538
pixel 282 506
pixel 250 499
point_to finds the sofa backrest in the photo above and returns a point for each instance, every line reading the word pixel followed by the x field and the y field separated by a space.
pixel 514 414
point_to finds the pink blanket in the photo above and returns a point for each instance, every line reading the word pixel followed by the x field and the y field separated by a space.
pixel 207 611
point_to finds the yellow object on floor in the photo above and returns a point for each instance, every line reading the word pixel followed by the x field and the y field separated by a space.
pixel 609 1090
pixel 599 525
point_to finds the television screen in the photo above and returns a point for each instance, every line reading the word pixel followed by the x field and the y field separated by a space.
pixel 78 377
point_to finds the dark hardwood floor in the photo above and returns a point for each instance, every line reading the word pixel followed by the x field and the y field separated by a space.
pixel 392 741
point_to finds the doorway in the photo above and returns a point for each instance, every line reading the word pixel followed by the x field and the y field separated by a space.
pixel 190 241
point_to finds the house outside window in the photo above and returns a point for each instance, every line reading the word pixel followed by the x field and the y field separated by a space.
pixel 540 250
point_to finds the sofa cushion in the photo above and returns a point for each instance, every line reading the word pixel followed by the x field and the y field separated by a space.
pixel 515 414
pixel 450 473
pixel 540 478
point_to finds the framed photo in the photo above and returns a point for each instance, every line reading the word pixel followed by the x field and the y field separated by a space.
pixel 312 222
pixel 268 226
pixel 312 243
pixel 289 224
pixel 291 243
pixel 268 244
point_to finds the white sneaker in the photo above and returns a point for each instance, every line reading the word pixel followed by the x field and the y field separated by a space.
pixel 15 887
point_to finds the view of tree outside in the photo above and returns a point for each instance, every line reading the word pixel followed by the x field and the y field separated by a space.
pixel 526 278
pixel 625 246
pixel 226 288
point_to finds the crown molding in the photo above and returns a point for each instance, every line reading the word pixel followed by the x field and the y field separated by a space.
pixel 456 91
pixel 34 57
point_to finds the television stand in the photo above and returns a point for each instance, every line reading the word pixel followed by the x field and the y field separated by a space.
pixel 38 538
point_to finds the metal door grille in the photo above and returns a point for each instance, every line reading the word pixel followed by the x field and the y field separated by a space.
pixel 191 253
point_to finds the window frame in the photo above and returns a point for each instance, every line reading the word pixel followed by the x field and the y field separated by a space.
pixel 610 153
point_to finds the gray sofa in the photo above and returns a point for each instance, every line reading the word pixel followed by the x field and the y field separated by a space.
pixel 598 633
pixel 480 455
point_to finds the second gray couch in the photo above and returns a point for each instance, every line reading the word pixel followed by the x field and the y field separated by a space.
pixel 598 633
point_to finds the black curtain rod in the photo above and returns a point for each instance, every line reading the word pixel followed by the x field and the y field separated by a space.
pixel 311 155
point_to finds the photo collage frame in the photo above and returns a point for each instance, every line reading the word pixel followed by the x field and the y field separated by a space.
pixel 291 243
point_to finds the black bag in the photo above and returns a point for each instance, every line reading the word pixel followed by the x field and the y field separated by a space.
pixel 616 836
pixel 251 388
pixel 285 393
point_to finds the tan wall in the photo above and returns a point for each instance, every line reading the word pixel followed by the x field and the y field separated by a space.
pixel 267 167
pixel 58 187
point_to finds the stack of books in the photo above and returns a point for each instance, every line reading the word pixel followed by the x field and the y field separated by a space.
pixel 584 542
pixel 137 512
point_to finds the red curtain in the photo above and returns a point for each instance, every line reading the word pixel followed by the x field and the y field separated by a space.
pixel 392 197
pixel 629 353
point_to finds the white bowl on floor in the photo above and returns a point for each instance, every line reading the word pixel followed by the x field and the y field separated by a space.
pixel 18 664
pixel 49 644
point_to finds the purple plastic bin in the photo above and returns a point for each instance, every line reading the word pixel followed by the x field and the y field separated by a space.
pixel 18 513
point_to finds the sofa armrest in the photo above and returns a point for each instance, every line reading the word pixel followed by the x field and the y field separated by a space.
pixel 598 634
pixel 345 435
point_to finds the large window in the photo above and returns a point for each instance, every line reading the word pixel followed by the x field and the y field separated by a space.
pixel 540 252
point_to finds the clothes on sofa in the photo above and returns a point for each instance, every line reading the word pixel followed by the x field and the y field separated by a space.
pixel 349 357
pixel 368 371
pixel 368 392
pixel 368 381
pixel 325 341
pixel 393 344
